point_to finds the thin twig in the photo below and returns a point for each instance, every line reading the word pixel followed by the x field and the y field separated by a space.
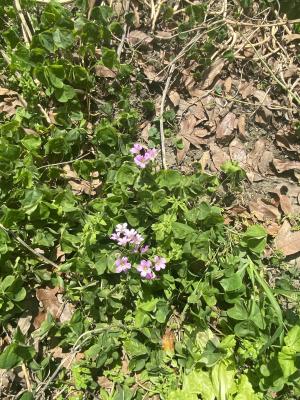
pixel 64 162
pixel 121 44
pixel 29 248
pixel 292 21
pixel 26 31
pixel 161 117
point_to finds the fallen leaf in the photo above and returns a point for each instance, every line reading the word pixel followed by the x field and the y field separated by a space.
pixel 272 228
pixel 181 153
pixel 219 157
pixel 263 211
pixel 246 89
pixel 163 34
pixel 287 241
pixel 198 111
pixel 168 340
pixel 241 125
pixel 138 37
pixel 175 98
pixel 105 383
pixel 291 37
pixel 151 73
pixel 265 162
pixel 68 358
pixel 24 324
pixel 291 71
pixel 237 152
pixel 255 155
pixel 225 129
pixel 49 300
pixel 263 97
pixel 7 92
pixel 285 165
pixel 286 204
pixel 201 132
pixel 212 73
pixel 187 125
pixel 101 70
pixel 228 85
pixel 79 185
pixel 204 160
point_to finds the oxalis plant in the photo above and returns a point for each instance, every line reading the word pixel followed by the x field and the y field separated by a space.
pixel 165 300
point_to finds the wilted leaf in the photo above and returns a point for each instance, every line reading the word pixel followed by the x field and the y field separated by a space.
pixel 241 124
pixel 174 97
pixel 101 70
pixel 237 152
pixel 228 85
pixel 168 341
pixel 263 211
pixel 212 73
pixel 219 157
pixel 225 129
pixel 287 241
pixel 139 37
pixel 285 165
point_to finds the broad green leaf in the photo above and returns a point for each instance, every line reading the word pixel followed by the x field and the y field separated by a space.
pixel 255 239
pixel 134 348
pixel 199 382
pixel 223 382
pixel 245 390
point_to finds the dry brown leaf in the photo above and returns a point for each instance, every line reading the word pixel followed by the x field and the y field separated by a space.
pixel 7 92
pixel 151 73
pixel 24 324
pixel 212 73
pixel 286 204
pixel 263 116
pixel 219 157
pixel 163 34
pixel 198 111
pixel 37 322
pixel 263 97
pixel 138 37
pixel 237 152
pixel 101 70
pixel 225 129
pixel 291 71
pixel 79 185
pixel 181 153
pixel 204 160
pixel 255 155
pixel 201 132
pixel 285 165
pixel 272 228
pixel 228 85
pixel 68 358
pixel 291 38
pixel 265 161
pixel 105 383
pixel 195 141
pixel 49 300
pixel 287 241
pixel 246 89
pixel 263 211
pixel 175 98
pixel 187 125
pixel 241 125
pixel 168 341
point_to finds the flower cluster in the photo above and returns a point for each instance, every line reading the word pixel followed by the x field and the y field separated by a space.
pixel 124 236
pixel 146 268
pixel 143 155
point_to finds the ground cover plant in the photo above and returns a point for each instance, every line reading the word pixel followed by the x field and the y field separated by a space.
pixel 124 274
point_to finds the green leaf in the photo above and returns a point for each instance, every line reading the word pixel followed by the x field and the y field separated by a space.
pixel 232 283
pixel 65 94
pixel 134 348
pixel 27 396
pixel 169 179
pixel 31 142
pixel 199 382
pixel 245 390
pixel 238 311
pixel 223 382
pixel 255 238
pixel 182 231
pixel 127 174
pixel 14 354
pixel 109 57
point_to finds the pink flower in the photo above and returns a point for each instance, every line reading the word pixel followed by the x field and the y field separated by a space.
pixel 122 264
pixel 144 249
pixel 159 263
pixel 121 228
pixel 152 153
pixel 141 160
pixel 151 275
pixel 144 268
pixel 134 237
pixel 136 149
